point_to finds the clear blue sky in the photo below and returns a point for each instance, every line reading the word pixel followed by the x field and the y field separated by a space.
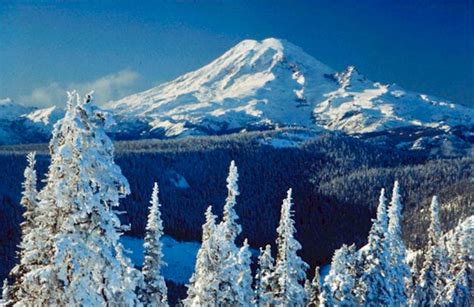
pixel 120 47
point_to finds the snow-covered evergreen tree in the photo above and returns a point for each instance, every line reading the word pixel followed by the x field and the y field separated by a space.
pixel 461 253
pixel 155 291
pixel 229 269
pixel 375 279
pixel 222 274
pixel 29 194
pixel 400 273
pixel 431 281
pixel 231 229
pixel 78 230
pixel 204 284
pixel 313 289
pixel 289 272
pixel 245 277
pixel 264 282
pixel 30 206
pixel 339 285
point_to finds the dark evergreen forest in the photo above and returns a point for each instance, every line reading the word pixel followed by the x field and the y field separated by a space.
pixel 335 179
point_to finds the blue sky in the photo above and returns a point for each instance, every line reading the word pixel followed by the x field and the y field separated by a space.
pixel 119 47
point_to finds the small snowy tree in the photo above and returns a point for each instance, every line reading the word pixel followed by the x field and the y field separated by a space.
pixel 313 290
pixel 30 206
pixel 400 273
pixel 264 282
pixel 30 193
pixel 289 272
pixel 245 277
pixel 432 276
pixel 155 291
pixel 375 279
pixel 339 284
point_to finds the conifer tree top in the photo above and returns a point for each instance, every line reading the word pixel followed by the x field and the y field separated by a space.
pixel 435 226
pixel 231 228
pixel 394 211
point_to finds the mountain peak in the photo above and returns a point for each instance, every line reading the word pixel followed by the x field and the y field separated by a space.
pixel 273 83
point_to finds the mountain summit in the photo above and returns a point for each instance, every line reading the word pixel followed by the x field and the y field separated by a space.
pixel 273 83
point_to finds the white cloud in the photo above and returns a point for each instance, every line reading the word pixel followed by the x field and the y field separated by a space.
pixel 109 87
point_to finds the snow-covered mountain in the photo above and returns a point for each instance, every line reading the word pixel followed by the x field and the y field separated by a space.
pixel 275 83
pixel 9 110
pixel 255 85
pixel 26 124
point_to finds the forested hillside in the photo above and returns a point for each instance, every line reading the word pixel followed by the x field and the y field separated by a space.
pixel 327 174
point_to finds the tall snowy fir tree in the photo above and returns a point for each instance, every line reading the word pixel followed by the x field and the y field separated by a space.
pixel 313 290
pixel 155 291
pixel 231 229
pixel 229 269
pixel 30 205
pixel 432 276
pixel 264 281
pixel 78 230
pixel 375 280
pixel 204 285
pixel 290 269
pixel 221 274
pixel 400 273
pixel 339 285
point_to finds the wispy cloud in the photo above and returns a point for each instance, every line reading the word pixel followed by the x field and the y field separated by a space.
pixel 106 88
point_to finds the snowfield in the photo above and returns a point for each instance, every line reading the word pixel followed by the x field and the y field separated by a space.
pixel 179 256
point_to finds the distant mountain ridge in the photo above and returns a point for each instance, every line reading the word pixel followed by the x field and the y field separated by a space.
pixel 259 85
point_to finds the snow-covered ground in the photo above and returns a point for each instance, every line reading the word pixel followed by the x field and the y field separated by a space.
pixel 179 256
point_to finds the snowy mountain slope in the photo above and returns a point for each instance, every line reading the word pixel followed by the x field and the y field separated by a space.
pixel 46 116
pixel 26 124
pixel 274 83
pixel 10 110
pixel 360 106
